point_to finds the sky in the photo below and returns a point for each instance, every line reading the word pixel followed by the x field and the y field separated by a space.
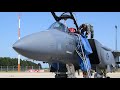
pixel 31 22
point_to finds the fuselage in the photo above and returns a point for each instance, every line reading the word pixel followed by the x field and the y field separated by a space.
pixel 58 45
pixel 50 46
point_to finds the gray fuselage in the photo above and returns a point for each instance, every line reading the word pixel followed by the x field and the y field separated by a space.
pixel 50 46
pixel 58 45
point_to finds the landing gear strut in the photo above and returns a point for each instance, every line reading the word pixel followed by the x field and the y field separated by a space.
pixel 71 71
pixel 100 73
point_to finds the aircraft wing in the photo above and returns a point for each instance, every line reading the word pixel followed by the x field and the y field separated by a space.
pixel 116 53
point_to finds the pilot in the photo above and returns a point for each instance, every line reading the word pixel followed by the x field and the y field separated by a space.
pixel 83 28
pixel 86 29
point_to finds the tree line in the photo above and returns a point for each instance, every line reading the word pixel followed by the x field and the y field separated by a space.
pixel 7 61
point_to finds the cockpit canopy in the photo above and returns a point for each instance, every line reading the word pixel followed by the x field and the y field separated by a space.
pixel 59 26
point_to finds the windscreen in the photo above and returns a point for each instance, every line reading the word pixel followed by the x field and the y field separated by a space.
pixel 59 26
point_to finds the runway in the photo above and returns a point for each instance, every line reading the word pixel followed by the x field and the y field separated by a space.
pixel 43 75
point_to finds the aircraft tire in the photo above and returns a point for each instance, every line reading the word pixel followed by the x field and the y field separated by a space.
pixel 61 76
pixel 96 75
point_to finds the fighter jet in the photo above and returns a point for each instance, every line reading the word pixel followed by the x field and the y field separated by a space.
pixel 57 45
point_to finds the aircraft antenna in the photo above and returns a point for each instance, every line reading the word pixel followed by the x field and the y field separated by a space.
pixel 19 38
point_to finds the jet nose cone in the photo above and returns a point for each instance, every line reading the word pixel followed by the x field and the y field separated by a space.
pixel 17 46
pixel 20 44
pixel 14 46
pixel 35 45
